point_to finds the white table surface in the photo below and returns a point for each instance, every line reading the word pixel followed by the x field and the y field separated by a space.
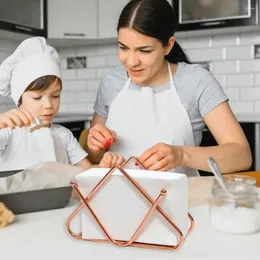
pixel 42 235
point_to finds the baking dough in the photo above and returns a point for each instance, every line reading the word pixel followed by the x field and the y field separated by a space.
pixel 6 215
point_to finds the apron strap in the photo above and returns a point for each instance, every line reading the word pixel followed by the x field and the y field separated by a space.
pixel 127 83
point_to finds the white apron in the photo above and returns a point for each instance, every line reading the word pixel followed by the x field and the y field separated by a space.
pixel 26 149
pixel 143 118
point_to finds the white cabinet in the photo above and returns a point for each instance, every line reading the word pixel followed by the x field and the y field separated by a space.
pixel 84 19
pixel 75 19
pixel 108 15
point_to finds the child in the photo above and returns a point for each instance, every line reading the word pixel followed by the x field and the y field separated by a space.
pixel 32 77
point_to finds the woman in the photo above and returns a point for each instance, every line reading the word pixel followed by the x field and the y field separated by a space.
pixel 156 105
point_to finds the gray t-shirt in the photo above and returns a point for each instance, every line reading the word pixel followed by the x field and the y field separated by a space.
pixel 197 88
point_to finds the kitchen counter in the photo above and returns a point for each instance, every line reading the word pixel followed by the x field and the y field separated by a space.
pixel 248 117
pixel 72 117
pixel 42 235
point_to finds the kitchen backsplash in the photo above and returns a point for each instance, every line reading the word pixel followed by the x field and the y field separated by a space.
pixel 233 59
pixel 6 48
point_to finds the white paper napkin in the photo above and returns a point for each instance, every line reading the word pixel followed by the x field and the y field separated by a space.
pixel 121 207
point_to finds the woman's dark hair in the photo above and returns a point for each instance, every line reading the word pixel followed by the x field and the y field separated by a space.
pixel 41 84
pixel 154 18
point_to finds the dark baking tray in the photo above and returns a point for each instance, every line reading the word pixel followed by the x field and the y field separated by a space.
pixel 36 200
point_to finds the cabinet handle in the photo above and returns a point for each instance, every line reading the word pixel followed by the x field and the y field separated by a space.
pixel 75 129
pixel 75 34
pixel 22 28
pixel 212 23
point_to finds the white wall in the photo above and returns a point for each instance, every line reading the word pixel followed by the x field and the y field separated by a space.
pixel 6 48
pixel 80 85
pixel 231 60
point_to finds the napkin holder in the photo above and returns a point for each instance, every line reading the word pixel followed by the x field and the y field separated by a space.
pixel 155 206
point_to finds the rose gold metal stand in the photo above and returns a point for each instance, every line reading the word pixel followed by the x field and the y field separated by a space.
pixel 154 206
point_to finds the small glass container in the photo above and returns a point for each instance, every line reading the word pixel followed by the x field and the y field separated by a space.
pixel 239 214
pixel 35 125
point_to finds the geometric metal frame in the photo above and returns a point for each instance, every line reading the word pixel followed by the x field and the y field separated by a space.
pixel 154 206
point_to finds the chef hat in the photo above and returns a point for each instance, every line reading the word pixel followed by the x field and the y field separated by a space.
pixel 32 59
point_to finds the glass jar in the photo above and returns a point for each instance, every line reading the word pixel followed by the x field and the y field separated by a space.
pixel 238 214
pixel 37 124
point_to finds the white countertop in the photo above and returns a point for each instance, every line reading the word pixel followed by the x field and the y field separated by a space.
pixel 72 117
pixel 42 235
pixel 248 117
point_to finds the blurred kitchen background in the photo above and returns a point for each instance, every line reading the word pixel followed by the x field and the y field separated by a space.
pixel 222 35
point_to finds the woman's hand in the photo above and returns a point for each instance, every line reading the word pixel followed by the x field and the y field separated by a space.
pixel 15 117
pixel 162 157
pixel 111 159
pixel 100 137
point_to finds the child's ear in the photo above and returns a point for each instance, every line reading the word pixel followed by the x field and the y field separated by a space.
pixel 20 102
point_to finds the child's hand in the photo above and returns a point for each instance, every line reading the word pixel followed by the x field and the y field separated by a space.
pixel 111 159
pixel 15 117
